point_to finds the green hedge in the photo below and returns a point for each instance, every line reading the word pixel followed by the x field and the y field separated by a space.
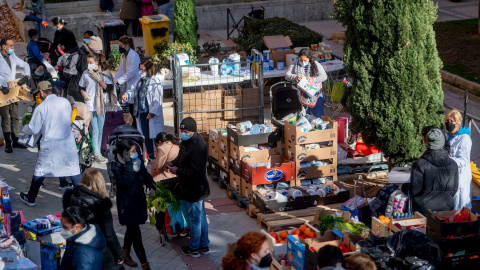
pixel 252 34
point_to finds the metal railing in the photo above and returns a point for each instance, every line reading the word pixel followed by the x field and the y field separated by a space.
pixel 235 26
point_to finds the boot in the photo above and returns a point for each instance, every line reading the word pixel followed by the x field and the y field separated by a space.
pixel 8 142
pixel 15 143
pixel 128 259
pixel 146 266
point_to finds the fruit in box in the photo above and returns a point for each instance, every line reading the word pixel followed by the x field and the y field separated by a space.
pixel 284 234
pixel 274 235
pixel 302 228
pixel 296 232
pixel 303 232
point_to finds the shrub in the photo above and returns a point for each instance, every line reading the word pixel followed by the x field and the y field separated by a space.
pixel 114 59
pixel 252 34
pixel 185 24
pixel 162 60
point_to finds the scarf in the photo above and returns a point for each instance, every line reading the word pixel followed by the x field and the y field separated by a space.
pixel 100 102
pixel 140 101
pixel 461 131
pixel 301 70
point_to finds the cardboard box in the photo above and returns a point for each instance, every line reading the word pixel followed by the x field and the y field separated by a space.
pixel 213 100
pixel 276 45
pixel 272 206
pixel 296 153
pixel 331 239
pixel 295 252
pixel 235 182
pixel 250 98
pixel 235 166
pixel 340 197
pixel 437 228
pixel 194 101
pixel 239 152
pixel 280 249
pixel 16 93
pixel 232 100
pixel 405 223
pixel 212 166
pixel 223 159
pixel 224 175
pixel 262 175
pixel 48 258
pixel 280 265
pixel 262 138
pixel 294 134
pixel 223 143
pixel 9 257
pixel 290 59
pixel 325 212
pixel 379 228
pixel 248 189
pixel 212 148
pixel 315 172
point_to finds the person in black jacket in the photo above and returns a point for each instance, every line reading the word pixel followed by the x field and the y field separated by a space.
pixel 434 177
pixel 191 168
pixel 85 242
pixel 131 175
pixel 91 195
pixel 64 39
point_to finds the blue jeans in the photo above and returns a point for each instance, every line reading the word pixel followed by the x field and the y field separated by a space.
pixel 38 180
pixel 317 111
pixel 198 225
pixel 146 133
pixel 164 9
pixel 97 123
pixel 37 20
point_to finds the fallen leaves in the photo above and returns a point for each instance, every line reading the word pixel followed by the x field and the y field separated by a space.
pixel 7 24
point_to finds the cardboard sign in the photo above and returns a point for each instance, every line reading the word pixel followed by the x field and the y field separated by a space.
pixel 16 94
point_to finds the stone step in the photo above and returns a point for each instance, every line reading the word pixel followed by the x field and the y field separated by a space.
pixel 79 7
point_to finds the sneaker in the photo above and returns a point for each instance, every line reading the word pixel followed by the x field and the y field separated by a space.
pixel 187 251
pixel 65 187
pixel 99 159
pixel 204 250
pixel 28 202
pixel 108 12
pixel 42 186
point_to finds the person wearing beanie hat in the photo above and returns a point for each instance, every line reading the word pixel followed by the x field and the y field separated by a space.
pixel 190 166
pixel 434 177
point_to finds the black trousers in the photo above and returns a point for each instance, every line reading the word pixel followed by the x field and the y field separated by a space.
pixel 134 26
pixel 133 236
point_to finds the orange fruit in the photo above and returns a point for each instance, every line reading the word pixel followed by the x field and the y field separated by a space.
pixel 274 235
pixel 307 231
pixel 296 232
pixel 284 234
pixel 312 235
pixel 301 237
pixel 302 228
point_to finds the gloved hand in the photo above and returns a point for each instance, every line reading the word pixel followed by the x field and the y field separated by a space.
pixel 5 90
pixel 126 156
pixel 95 75
pixel 85 96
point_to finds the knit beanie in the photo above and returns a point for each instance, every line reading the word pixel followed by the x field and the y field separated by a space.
pixel 189 124
pixel 435 139
pixel 95 44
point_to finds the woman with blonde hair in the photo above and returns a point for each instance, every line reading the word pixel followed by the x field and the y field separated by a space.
pixel 251 252
pixel 460 148
pixel 91 195
pixel 360 262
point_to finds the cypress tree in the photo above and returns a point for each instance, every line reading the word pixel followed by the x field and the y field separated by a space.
pixel 185 24
pixel 391 55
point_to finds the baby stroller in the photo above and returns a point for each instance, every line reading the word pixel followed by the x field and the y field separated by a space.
pixel 118 134
pixel 82 136
pixel 285 99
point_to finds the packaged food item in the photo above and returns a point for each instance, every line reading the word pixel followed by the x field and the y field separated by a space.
pixel 290 118
pixel 294 193
pixel 305 127
pixel 244 126
pixel 255 129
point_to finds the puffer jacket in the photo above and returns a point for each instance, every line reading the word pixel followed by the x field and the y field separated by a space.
pixel 99 214
pixel 433 182
pixel 84 250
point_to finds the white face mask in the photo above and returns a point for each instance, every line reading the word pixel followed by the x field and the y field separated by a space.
pixel 91 67
pixel 66 233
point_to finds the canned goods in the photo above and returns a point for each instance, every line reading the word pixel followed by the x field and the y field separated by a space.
pixel 305 127
pixel 280 65
pixel 271 195
pixel 271 65
pixel 244 126
pixel 266 55
pixel 255 129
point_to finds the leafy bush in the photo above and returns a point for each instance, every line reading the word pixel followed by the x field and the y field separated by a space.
pixel 211 48
pixel 141 52
pixel 162 60
pixel 252 34
pixel 114 59
pixel 185 24
pixel 159 47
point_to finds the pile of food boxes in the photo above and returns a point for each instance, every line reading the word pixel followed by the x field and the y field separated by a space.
pixel 287 166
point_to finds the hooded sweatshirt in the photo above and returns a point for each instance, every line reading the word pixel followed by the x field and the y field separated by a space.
pixel 433 182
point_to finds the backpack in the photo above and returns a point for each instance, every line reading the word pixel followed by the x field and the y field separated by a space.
pixel 70 68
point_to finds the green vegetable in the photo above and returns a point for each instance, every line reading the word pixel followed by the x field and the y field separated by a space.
pixel 160 201
pixel 329 223
pixel 26 119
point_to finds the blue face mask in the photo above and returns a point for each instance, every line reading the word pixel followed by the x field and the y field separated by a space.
pixel 86 40
pixel 55 28
pixel 185 136
pixel 303 64
pixel 134 156
pixel 10 51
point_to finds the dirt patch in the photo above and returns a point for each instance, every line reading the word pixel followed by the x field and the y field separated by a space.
pixel 458 44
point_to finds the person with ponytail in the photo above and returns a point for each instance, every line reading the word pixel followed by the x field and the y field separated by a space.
pixel 251 253
pixel 64 39
pixel 307 67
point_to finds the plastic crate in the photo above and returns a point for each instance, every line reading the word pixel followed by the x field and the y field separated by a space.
pixel 30 226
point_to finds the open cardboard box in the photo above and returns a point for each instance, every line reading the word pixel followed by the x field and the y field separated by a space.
pixel 239 152
pixel 340 197
pixel 250 98
pixel 280 170
pixel 417 220
pixel 437 228
pixel 297 154
pixel 273 205
pixel 294 134
pixel 316 172
pixel 243 140
pixel 328 212
pixel 278 47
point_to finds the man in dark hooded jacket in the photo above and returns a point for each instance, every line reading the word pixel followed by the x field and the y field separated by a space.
pixel 191 168
pixel 434 177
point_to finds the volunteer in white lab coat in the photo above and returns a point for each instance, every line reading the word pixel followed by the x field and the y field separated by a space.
pixel 460 148
pixel 147 98
pixel 58 155
pixel 128 72
pixel 9 113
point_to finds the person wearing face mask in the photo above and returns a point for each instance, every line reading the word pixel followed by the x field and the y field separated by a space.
pixel 434 176
pixel 85 242
pixel 64 39
pixel 96 87
pixel 251 253
pixel 35 58
pixel 131 176
pixel 147 95
pixel 34 8
pixel 168 147
pixel 9 63
pixel 94 42
pixel 460 148
pixel 129 70
pixel 58 156
pixel 191 168
pixel 307 67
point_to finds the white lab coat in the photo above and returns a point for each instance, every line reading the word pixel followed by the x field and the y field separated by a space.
pixel 155 101
pixel 8 74
pixel 128 72
pixel 58 155
pixel 460 147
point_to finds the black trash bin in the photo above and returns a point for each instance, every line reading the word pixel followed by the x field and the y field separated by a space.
pixel 110 32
